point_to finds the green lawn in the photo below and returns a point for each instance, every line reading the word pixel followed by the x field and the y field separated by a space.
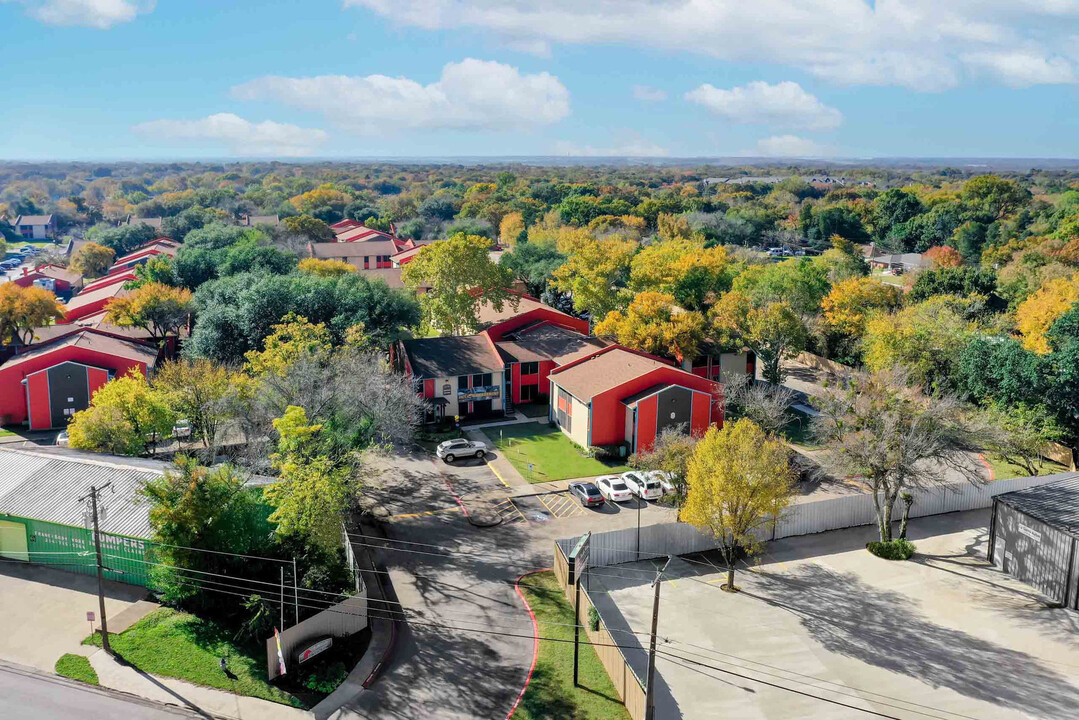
pixel 179 645
pixel 76 667
pixel 551 693
pixel 1002 469
pixel 799 431
pixel 533 410
pixel 552 455
pixel 4 432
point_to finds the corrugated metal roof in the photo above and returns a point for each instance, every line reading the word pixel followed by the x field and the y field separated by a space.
pixel 44 487
pixel 1055 503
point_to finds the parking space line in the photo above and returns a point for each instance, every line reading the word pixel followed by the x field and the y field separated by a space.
pixel 425 513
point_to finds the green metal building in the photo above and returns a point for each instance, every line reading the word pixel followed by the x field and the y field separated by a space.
pixel 42 521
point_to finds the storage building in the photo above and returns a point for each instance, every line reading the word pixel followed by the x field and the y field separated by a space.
pixel 1034 536
pixel 43 522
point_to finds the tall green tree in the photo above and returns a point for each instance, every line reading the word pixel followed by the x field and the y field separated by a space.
pixel 315 489
pixel 458 276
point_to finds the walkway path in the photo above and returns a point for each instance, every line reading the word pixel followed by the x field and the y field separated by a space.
pixel 204 701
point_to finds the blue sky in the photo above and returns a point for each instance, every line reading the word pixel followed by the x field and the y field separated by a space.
pixel 118 79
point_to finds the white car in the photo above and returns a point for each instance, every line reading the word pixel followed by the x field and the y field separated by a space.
pixel 612 488
pixel 62 439
pixel 643 486
pixel 665 480
pixel 182 429
pixel 453 449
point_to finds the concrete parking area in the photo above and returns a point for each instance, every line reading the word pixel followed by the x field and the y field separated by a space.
pixel 823 629
pixel 44 611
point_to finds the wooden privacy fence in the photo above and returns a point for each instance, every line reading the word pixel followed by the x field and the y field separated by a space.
pixel 629 687
pixel 802 518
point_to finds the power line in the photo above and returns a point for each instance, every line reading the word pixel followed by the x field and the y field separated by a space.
pixel 436 625
pixel 827 682
pixel 328 603
pixel 667 656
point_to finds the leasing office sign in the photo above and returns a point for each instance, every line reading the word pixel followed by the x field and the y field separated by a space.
pixel 480 392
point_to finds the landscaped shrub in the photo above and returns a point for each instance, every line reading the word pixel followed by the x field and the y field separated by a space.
pixel 593 618
pixel 326 678
pixel 898 549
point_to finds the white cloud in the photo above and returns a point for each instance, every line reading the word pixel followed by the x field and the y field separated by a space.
pixel 1020 69
pixel 242 137
pixel 631 147
pixel 648 93
pixel 788 146
pixel 100 14
pixel 784 104
pixel 470 95
pixel 921 44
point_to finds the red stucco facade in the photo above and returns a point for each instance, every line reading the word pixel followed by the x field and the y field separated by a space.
pixel 18 402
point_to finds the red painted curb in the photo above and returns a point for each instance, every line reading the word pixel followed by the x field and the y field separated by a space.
pixel 535 639
pixel 449 487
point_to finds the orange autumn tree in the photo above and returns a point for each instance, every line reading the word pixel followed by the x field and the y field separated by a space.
pixel 23 309
pixel 944 256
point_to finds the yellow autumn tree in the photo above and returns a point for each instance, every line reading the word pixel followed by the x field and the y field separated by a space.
pixel 682 267
pixel 92 260
pixel 738 480
pixel 850 302
pixel 291 340
pixel 595 271
pixel 325 268
pixel 24 309
pixel 1041 309
pixel 511 229
pixel 653 323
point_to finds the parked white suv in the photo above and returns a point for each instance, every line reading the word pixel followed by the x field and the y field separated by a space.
pixel 612 488
pixel 453 449
pixel 643 486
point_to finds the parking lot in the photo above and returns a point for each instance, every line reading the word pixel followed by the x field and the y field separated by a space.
pixel 823 629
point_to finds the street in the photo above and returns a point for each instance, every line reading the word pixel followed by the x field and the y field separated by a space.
pixel 29 695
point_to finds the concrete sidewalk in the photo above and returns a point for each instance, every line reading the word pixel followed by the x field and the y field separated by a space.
pixel 208 702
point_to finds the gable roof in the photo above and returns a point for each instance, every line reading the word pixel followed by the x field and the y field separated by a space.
pixel 336 250
pixel 544 341
pixel 56 272
pixel 121 276
pixel 408 253
pixel 488 315
pixel 90 339
pixel 604 370
pixel 452 356
pixel 361 233
pixel 102 292
pixel 154 222
pixel 33 220
pixel 154 248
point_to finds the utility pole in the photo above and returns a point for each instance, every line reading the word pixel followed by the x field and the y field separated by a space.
pixel 650 693
pixel 576 627
pixel 94 491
